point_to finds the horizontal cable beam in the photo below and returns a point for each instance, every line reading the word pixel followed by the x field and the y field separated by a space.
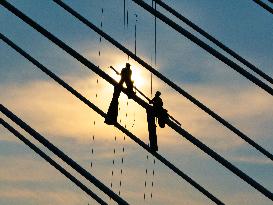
pixel 52 162
pixel 215 41
pixel 166 80
pixel 264 5
pixel 102 74
pixel 205 46
pixel 117 125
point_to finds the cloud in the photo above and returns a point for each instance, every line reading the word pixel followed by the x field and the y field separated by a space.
pixel 57 106
pixel 252 160
pixel 70 125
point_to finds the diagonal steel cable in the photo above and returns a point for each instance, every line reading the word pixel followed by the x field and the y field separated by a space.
pixel 100 112
pixel 166 80
pixel 205 46
pixel 215 41
pixel 264 5
pixel 52 162
pixel 174 126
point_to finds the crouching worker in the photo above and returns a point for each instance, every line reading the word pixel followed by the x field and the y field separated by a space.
pixel 112 114
pixel 153 112
pixel 159 111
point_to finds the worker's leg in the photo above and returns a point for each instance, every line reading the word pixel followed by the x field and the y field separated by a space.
pixel 130 86
pixel 112 113
pixel 121 81
pixel 152 129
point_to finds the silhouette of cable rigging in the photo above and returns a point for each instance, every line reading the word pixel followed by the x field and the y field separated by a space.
pixel 205 46
pixel 52 162
pixel 264 5
pixel 174 126
pixel 155 46
pixel 166 80
pixel 214 40
pixel 117 125
pixel 61 155
pixel 141 102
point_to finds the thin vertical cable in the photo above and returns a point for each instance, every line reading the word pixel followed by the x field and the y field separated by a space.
pixel 124 5
pixel 135 32
pixel 155 33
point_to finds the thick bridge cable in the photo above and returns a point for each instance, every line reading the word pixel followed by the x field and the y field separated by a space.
pixel 214 40
pixel 141 102
pixel 166 80
pixel 205 46
pixel 100 112
pixel 264 5
pixel 52 162
pixel 221 160
pixel 62 155
pixel 181 131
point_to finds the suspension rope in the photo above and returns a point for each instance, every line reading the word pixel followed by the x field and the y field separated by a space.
pixel 155 32
pixel 52 162
pixel 205 46
pixel 135 33
pixel 141 102
pixel 124 6
pixel 215 41
pixel 166 80
pixel 155 55
pixel 264 5
pixel 100 112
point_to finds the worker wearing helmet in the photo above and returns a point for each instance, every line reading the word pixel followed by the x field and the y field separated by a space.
pixel 159 111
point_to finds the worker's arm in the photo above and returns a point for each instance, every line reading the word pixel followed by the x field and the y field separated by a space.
pixel 151 101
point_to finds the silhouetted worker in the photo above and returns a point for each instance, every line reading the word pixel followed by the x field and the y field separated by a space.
pixel 126 74
pixel 153 112
pixel 112 113
pixel 159 111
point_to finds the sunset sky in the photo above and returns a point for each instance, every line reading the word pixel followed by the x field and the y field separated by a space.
pixel 26 179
